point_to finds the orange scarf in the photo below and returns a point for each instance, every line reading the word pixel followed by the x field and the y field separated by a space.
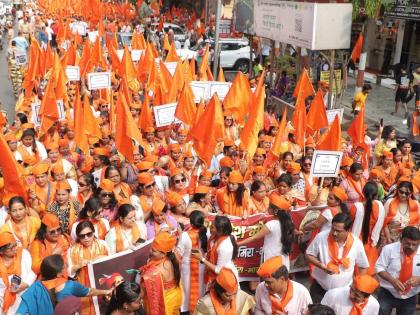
pixel 415 128
pixel 135 234
pixel 358 188
pixel 406 268
pixel 358 308
pixel 258 206
pixel 280 305
pixel 153 285
pixel 27 157
pixel 15 269
pixel 23 236
pixel 100 227
pixel 194 270
pixel 335 262
pixel 219 308
pixel 413 211
pixel 212 257
pixel 227 203
pixel 53 283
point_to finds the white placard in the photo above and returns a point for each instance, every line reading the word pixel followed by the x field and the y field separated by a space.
pixel 201 90
pixel 171 66
pixel 326 163
pixel 221 88
pixel 73 73
pixel 315 26
pixel 136 54
pixel 99 80
pixel 165 114
pixel 21 58
pixel 61 110
pixel 334 112
pixel 35 114
pixel 92 36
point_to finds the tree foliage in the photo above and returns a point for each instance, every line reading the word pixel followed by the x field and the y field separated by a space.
pixel 369 8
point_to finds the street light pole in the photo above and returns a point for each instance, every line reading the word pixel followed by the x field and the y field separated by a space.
pixel 216 38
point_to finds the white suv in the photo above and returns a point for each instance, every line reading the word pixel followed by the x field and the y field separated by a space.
pixel 234 53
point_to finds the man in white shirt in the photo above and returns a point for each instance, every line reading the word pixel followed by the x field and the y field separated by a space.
pixel 278 294
pixel 398 268
pixel 335 255
pixel 358 297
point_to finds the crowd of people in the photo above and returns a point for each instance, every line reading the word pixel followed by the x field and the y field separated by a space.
pixel 73 193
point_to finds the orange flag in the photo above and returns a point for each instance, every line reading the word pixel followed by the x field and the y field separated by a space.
pixel 13 181
pixel 127 68
pixel 48 110
pixel 48 58
pixel 177 83
pixel 357 129
pixel 221 76
pixel 166 45
pixel 317 115
pixel 255 122
pixel 146 115
pixel 274 153
pixel 60 80
pixel 208 128
pixel 126 130
pixel 79 130
pixel 71 57
pixel 202 68
pixel 192 68
pixel 145 64
pixel 238 98
pixel 141 41
pixel 331 139
pixel 97 57
pixel 172 55
pixel 357 49
pixel 299 119
pixel 186 109
pixel 84 62
pixel 33 71
pixel 304 84
pixel 91 126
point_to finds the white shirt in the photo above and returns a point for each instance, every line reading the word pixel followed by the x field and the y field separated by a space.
pixel 390 261
pixel 319 248
pixel 272 243
pixel 135 202
pixel 327 214
pixel 184 249
pixel 3 215
pixel 298 305
pixel 127 235
pixel 339 300
pixel 28 277
pixel 224 257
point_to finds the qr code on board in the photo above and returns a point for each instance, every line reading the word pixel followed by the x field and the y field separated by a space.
pixel 298 24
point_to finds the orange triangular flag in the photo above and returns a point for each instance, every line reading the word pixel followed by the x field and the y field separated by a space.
pixel 79 130
pixel 317 115
pixel 14 183
pixel 97 58
pixel 357 49
pixel 172 55
pixel 177 83
pixel 192 68
pixel 221 76
pixel 186 109
pixel 126 130
pixel 299 119
pixel 127 69
pixel 202 69
pixel 209 128
pixel 84 62
pixel 91 125
pixel 255 122
pixel 166 45
pixel 304 84
pixel 357 129
pixel 48 110
pixel 238 97
pixel 141 41
pixel 331 139
pixel 160 26
pixel 146 115
pixel 275 151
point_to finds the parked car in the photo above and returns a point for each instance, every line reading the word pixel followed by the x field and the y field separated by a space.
pixel 234 53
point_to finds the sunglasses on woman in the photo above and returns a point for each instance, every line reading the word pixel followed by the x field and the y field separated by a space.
pixel 86 235
pixel 178 181
pixel 107 195
pixel 405 193
pixel 52 232
pixel 149 186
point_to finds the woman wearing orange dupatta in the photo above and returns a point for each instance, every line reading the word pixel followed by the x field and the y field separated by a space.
pixel 85 250
pixel 368 218
pixel 49 241
pixel 14 260
pixel 122 191
pixel 233 199
pixel 161 277
pixel 22 226
pixel 85 188
pixel 353 184
pixel 401 211
pixel 259 202
pixel 388 170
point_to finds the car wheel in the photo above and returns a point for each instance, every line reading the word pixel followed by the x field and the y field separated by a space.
pixel 242 65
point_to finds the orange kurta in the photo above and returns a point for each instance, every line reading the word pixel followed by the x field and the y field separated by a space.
pixel 40 250
pixel 388 178
pixel 228 205
pixel 25 236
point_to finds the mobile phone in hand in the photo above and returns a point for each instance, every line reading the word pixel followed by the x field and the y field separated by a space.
pixel 195 251
pixel 15 282
pixel 382 122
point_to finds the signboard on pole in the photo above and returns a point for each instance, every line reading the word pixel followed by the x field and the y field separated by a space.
pixel 334 112
pixel 99 80
pixel 326 163
pixel 315 26
pixel 325 76
pixel 165 114
pixel 73 73
pixel 21 58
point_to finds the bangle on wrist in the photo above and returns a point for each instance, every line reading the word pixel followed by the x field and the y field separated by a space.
pixel 202 260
